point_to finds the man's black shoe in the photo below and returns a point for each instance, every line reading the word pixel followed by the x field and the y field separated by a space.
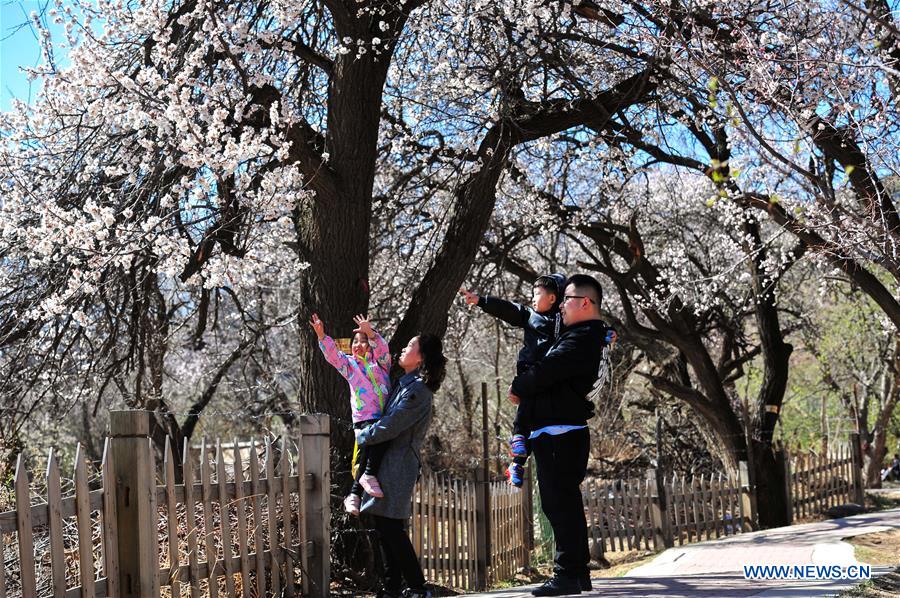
pixel 558 586
pixel 585 582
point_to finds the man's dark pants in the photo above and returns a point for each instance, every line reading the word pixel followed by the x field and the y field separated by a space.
pixel 561 466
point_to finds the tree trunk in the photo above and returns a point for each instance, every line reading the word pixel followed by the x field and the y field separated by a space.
pixel 334 230
pixel 427 311
pixel 771 489
pixel 874 457
pixel 878 449
pixel 468 402
pixel 476 197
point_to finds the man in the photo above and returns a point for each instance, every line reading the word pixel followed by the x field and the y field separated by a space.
pixel 554 394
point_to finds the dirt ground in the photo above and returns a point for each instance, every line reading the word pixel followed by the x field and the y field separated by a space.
pixel 883 498
pixel 621 563
pixel 882 548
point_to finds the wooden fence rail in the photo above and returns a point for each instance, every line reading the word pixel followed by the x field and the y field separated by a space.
pixel 254 523
pixel 618 512
pixel 444 520
pixel 455 522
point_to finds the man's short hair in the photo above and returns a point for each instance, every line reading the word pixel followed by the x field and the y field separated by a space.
pixel 588 286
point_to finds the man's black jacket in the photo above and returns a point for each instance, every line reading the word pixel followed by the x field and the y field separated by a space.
pixel 555 390
pixel 541 329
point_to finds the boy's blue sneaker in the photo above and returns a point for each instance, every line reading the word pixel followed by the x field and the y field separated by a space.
pixel 517 446
pixel 515 473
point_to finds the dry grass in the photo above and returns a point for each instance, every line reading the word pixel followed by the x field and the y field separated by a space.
pixel 885 586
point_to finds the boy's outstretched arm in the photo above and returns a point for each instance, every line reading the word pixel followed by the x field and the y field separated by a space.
pixel 509 312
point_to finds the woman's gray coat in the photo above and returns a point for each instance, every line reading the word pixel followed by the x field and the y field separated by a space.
pixel 404 424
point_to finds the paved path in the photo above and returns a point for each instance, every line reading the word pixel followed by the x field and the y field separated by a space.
pixel 714 568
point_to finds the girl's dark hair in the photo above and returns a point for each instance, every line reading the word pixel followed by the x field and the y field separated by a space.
pixel 434 364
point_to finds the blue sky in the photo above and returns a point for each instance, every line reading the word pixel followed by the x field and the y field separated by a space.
pixel 18 47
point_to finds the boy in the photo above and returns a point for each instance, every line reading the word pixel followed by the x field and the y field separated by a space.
pixel 542 323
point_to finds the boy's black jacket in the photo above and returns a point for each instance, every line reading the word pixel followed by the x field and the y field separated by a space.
pixel 555 390
pixel 541 329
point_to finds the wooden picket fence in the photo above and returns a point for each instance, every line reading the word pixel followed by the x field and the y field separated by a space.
pixel 819 481
pixel 252 518
pixel 456 522
pixel 52 573
pixel 619 510
pixel 509 521
pixel 261 527
pixel 442 529
pixel 652 514
pixel 632 514
pixel 707 507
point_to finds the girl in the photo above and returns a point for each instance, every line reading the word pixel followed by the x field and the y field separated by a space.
pixel 366 369
pixel 402 429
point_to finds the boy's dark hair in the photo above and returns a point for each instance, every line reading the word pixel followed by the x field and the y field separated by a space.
pixel 552 283
pixel 587 286
pixel 434 363
pixel 549 284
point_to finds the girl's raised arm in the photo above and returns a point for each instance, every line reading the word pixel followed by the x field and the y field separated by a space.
pixel 381 351
pixel 336 358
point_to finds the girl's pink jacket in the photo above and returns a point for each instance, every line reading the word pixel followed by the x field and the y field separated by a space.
pixel 368 377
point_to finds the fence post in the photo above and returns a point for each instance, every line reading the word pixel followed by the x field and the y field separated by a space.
pixel 784 456
pixel 482 528
pixel 859 496
pixel 528 489
pixel 659 510
pixel 485 451
pixel 135 481
pixel 748 522
pixel 483 501
pixel 315 540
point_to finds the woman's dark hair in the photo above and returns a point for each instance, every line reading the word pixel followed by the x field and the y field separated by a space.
pixel 434 364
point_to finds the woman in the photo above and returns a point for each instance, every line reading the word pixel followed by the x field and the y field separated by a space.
pixel 403 426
